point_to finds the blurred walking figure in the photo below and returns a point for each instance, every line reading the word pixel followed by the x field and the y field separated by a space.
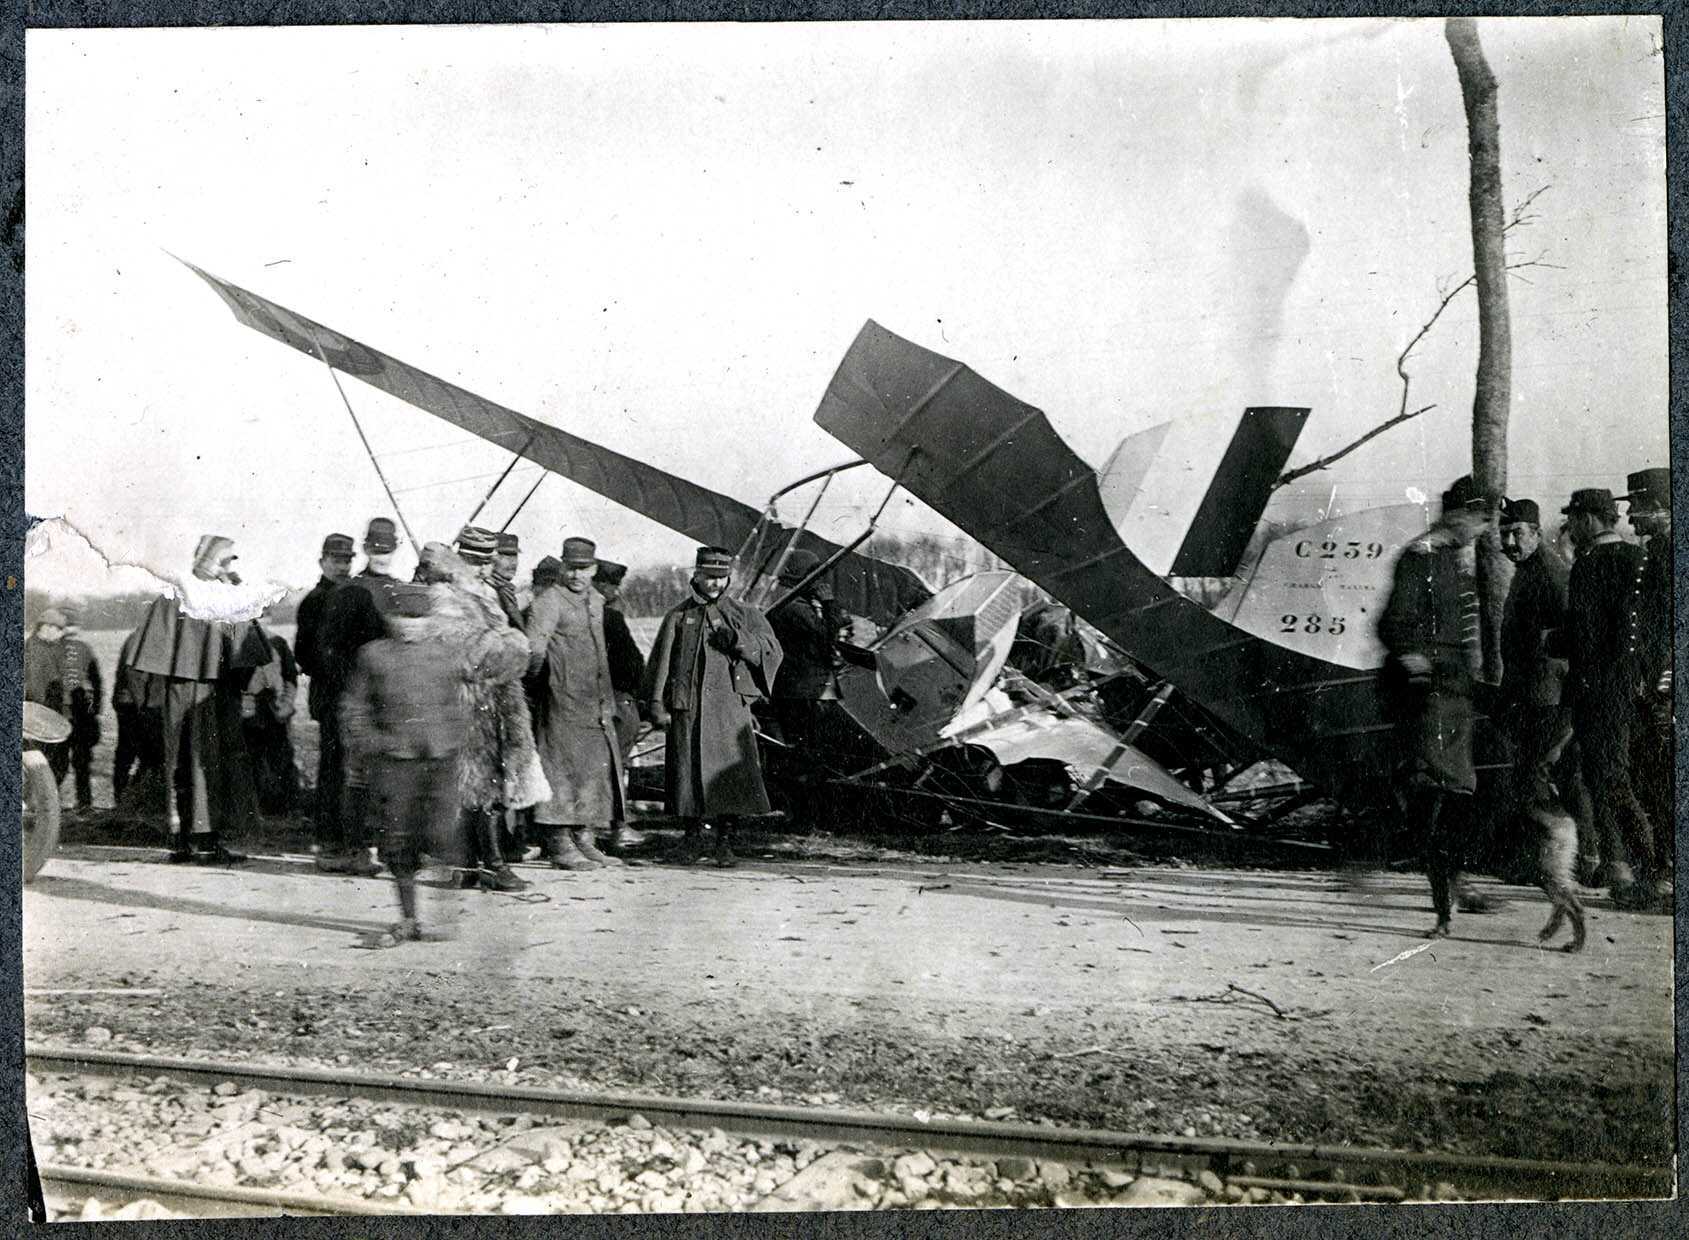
pixel 335 564
pixel 1611 677
pixel 501 770
pixel 1430 629
pixel 61 673
pixel 203 646
pixel 404 715
pixel 712 658
pixel 576 733
pixel 352 617
pixel 627 679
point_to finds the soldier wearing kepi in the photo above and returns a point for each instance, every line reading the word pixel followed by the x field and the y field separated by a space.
pixel 576 733
pixel 1430 629
pixel 336 565
pixel 712 658
pixel 353 617
pixel 507 557
pixel 627 678
pixel 405 716
pixel 1537 727
pixel 1650 516
pixel 1609 678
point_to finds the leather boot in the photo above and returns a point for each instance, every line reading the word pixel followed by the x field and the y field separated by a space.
pixel 564 854
pixel 495 874
pixel 691 844
pixel 588 848
pixel 724 858
pixel 625 839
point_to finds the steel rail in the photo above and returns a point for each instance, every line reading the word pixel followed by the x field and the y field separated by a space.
pixel 1224 1156
pixel 61 1184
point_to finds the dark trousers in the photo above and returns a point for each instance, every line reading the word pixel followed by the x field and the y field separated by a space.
pixel 339 815
pixel 202 732
pixel 413 803
pixel 77 753
pixel 1607 728
pixel 1442 821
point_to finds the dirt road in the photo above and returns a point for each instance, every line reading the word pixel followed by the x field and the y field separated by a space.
pixel 1248 1004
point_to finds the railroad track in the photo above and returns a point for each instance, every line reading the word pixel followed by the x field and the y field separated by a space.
pixel 1315 1171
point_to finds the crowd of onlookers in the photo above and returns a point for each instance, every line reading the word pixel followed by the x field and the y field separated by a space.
pixel 1583 708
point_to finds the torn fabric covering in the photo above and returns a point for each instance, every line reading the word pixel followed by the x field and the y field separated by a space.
pixel 1088 752
pixel 862 585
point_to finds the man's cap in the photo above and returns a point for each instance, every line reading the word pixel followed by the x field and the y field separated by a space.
pixel 1520 512
pixel 476 544
pixel 52 616
pixel 717 561
pixel 798 565
pixel 339 545
pixel 610 572
pixel 547 571
pixel 508 544
pixel 1463 493
pixel 1597 501
pixel 579 552
pixel 431 562
pixel 1649 489
pixel 382 536
pixel 411 599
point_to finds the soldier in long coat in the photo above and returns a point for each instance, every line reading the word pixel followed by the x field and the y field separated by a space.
pixel 1535 725
pixel 576 730
pixel 712 658
pixel 334 848
pixel 1609 681
pixel 1655 746
pixel 1430 629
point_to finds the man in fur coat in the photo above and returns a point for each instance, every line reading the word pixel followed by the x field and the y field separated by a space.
pixel 712 658
pixel 500 769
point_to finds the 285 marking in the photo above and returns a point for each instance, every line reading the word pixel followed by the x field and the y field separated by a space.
pixel 1331 626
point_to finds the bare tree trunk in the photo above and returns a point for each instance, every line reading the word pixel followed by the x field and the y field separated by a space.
pixel 1495 346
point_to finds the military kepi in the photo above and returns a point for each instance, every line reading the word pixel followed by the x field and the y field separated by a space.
pixel 475 544
pixel 339 545
pixel 1649 489
pixel 798 565
pixel 610 572
pixel 716 561
pixel 409 599
pixel 579 553
pixel 1520 512
pixel 1595 500
pixel 1462 493
pixel 381 536
pixel 508 544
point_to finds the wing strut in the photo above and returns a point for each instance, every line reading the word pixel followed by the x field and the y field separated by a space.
pixel 369 451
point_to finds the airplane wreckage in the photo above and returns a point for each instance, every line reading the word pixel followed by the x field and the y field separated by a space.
pixel 1090 688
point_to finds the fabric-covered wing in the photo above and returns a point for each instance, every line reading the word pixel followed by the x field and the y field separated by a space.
pixel 863 585
pixel 995 466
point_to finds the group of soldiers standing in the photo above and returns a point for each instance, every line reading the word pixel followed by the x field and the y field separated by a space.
pixel 1583 709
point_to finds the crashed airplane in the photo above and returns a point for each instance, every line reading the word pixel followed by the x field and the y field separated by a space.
pixel 1280 666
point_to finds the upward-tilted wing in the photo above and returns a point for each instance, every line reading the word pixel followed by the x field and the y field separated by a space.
pixel 865 586
pixel 996 467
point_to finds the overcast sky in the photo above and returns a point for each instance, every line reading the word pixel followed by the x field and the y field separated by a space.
pixel 663 238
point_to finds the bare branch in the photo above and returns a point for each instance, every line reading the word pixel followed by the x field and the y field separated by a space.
pixel 1324 461
pixel 1521 217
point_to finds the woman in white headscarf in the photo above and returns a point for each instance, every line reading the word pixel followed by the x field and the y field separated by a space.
pixel 201 644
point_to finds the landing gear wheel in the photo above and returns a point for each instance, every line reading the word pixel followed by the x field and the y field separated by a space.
pixel 40 812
